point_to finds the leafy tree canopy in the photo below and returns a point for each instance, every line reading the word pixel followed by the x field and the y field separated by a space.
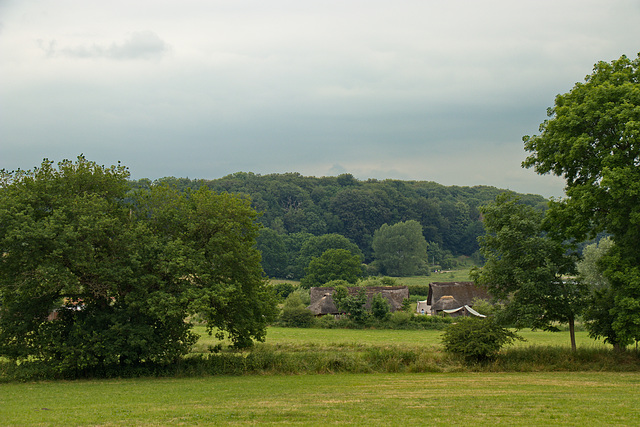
pixel 333 264
pixel 400 249
pixel 592 140
pixel 525 267
pixel 121 271
pixel 294 204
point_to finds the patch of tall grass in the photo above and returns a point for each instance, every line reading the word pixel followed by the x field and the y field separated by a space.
pixel 295 359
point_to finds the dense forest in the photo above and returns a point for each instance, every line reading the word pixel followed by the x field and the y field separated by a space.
pixel 296 208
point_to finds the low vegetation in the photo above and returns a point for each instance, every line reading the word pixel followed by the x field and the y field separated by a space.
pixel 330 351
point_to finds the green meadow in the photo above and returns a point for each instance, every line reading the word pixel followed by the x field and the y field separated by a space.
pixel 371 377
pixel 374 337
pixel 547 398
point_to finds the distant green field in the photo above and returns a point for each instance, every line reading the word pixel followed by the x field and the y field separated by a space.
pixel 445 276
pixel 578 399
pixel 376 337
pixel 461 275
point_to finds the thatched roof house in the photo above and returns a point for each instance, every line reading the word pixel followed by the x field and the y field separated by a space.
pixel 454 295
pixel 447 302
pixel 322 300
pixel 463 292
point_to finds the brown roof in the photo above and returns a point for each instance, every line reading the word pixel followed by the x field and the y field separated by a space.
pixel 463 292
pixel 322 301
pixel 446 302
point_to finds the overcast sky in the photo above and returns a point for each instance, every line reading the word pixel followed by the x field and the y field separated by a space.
pixel 424 90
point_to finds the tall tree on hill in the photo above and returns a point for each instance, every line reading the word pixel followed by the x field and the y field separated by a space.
pixel 592 140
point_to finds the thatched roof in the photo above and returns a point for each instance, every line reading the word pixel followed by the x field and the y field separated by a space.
pixel 463 292
pixel 322 301
pixel 446 302
pixel 323 305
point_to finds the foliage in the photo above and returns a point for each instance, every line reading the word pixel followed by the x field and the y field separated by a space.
pixel 483 306
pixel 283 290
pixel 400 249
pixel 422 290
pixel 600 313
pixel 122 271
pixel 302 294
pixel 333 264
pixel 275 258
pixel 294 204
pixel 477 339
pixel 590 267
pixel 378 281
pixel 296 317
pixel 525 268
pixel 380 307
pixel 352 305
pixel 315 246
pixel 591 139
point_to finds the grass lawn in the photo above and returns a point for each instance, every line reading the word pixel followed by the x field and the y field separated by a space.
pixel 374 399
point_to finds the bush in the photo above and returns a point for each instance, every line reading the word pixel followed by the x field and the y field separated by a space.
pixel 296 317
pixel 422 290
pixel 477 339
pixel 380 307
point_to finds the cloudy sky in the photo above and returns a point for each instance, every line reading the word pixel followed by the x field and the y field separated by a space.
pixel 409 89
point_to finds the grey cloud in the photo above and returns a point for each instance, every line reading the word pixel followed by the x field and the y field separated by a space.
pixel 139 45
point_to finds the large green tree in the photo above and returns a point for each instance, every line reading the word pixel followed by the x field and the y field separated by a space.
pixel 592 140
pixel 400 249
pixel 525 268
pixel 333 264
pixel 315 246
pixel 92 275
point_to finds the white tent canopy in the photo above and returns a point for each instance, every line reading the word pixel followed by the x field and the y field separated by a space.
pixel 469 310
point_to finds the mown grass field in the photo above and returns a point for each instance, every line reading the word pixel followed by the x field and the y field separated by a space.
pixel 594 398
pixel 455 395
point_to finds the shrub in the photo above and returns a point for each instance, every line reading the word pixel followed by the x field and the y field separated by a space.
pixel 353 305
pixel 477 339
pixel 380 307
pixel 297 317
pixel 400 319
pixel 422 290
pixel 326 322
pixel 298 297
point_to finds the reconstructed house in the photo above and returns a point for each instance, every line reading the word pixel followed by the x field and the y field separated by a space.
pixel 322 301
pixel 452 296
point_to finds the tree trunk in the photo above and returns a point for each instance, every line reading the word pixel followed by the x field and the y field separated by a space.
pixel 572 333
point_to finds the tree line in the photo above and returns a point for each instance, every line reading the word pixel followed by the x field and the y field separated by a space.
pixel 295 208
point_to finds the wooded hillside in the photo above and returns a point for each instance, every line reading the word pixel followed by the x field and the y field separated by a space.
pixel 295 206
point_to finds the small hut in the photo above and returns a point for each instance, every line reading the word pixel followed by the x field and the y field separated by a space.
pixel 448 303
pixel 462 292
